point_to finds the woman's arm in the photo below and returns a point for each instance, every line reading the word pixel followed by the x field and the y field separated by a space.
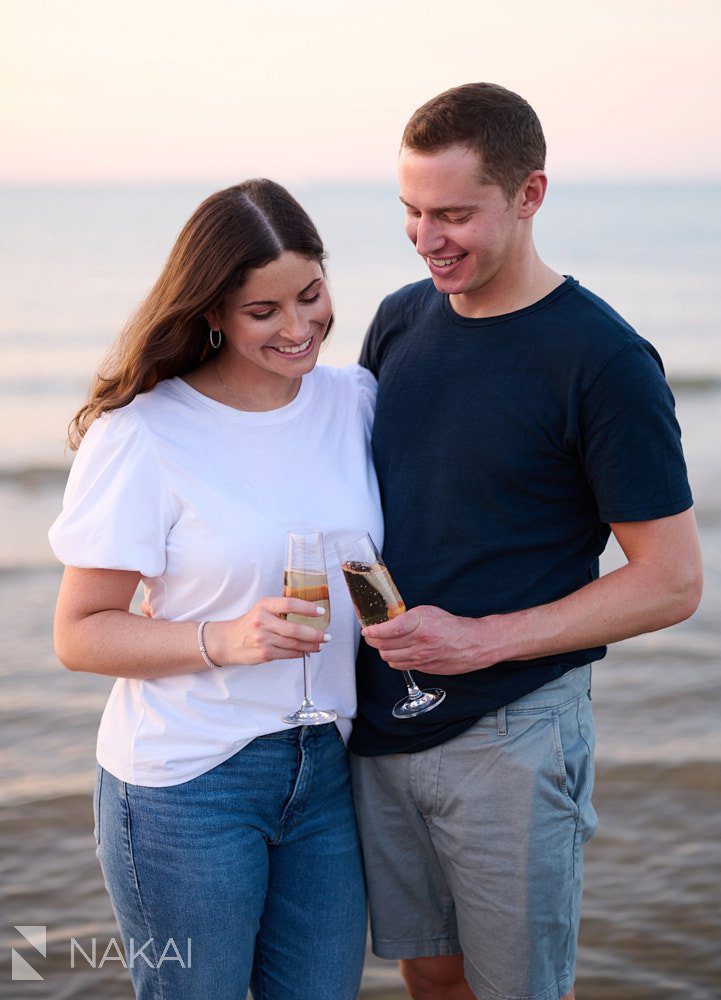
pixel 95 631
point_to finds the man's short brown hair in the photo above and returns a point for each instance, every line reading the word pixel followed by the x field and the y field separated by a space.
pixel 494 122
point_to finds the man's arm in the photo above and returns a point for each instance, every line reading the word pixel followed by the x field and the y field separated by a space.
pixel 659 586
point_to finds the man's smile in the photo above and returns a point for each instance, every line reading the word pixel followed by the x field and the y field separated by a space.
pixel 445 261
pixel 444 267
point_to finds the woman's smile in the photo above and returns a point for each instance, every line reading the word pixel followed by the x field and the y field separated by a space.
pixel 295 350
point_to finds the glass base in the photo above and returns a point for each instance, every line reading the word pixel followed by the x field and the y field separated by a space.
pixel 406 708
pixel 311 716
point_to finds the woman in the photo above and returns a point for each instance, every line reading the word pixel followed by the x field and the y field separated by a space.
pixel 227 840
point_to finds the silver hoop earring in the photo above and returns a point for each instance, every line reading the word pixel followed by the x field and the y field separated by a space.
pixel 212 338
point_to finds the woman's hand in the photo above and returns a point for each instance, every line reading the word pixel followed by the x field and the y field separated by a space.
pixel 263 634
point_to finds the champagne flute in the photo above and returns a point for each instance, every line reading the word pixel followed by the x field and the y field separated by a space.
pixel 376 599
pixel 305 577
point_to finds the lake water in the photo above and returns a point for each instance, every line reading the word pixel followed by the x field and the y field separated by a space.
pixel 73 263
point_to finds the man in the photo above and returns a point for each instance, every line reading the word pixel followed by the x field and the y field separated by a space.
pixel 519 421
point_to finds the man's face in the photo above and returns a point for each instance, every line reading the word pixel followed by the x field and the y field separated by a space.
pixel 466 231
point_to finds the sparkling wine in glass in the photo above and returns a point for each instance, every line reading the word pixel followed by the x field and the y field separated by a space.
pixel 305 577
pixel 376 599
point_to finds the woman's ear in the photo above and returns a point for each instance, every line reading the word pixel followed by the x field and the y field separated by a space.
pixel 213 318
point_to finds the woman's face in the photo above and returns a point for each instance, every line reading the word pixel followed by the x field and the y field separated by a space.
pixel 274 324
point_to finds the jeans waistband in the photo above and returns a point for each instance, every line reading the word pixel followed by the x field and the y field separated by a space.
pixel 298 732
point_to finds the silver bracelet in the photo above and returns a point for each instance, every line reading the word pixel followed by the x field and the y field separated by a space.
pixel 203 651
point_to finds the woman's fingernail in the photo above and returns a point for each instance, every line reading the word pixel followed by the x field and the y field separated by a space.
pixel 327 637
pixel 320 611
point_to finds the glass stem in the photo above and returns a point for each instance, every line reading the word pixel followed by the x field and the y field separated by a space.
pixel 307 690
pixel 413 690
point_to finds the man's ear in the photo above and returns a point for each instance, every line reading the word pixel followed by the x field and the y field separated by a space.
pixel 531 194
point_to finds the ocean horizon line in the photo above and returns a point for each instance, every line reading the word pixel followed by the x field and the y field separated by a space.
pixel 355 184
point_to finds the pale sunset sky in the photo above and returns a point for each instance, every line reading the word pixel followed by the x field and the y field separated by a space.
pixel 172 90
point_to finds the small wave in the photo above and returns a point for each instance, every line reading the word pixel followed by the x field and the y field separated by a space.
pixel 692 384
pixel 34 476
pixel 24 805
pixel 690 775
pixel 10 572
pixel 48 388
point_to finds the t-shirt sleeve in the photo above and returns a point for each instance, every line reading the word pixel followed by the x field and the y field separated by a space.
pixel 116 510
pixel 631 440
pixel 370 354
pixel 366 388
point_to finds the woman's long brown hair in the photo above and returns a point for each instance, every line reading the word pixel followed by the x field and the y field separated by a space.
pixel 242 227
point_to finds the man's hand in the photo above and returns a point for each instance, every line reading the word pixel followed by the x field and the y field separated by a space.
pixel 434 641
pixel 659 586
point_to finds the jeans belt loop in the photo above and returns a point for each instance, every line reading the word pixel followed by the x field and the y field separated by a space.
pixel 501 721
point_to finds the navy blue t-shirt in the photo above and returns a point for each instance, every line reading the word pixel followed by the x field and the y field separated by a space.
pixel 504 448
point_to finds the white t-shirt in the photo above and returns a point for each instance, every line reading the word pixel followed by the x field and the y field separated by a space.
pixel 198 497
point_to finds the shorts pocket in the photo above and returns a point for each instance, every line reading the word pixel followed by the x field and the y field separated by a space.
pixel 574 738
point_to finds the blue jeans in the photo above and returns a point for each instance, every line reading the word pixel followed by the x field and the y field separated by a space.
pixel 252 869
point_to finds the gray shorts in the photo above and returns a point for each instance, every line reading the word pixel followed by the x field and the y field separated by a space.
pixel 475 846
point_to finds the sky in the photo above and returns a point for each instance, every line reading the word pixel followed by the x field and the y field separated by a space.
pixel 172 90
